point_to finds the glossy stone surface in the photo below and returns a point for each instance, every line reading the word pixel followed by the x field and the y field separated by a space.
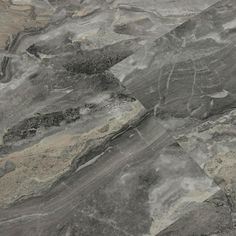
pixel 117 118
pixel 189 72
pixel 58 100
pixel 143 176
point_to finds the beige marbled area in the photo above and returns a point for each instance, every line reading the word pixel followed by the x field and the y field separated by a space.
pixel 17 16
pixel 223 169
pixel 40 165
pixel 128 18
pixel 213 147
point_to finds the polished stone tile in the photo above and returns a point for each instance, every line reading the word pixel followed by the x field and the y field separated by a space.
pixel 212 146
pixel 141 184
pixel 58 101
pixel 80 155
pixel 189 72
pixel 212 217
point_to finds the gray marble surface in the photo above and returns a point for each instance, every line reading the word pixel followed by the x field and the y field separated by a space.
pixel 58 99
pixel 190 71
pixel 117 118
pixel 142 183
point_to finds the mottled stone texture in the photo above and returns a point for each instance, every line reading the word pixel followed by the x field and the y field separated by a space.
pixel 143 176
pixel 117 118
pixel 189 72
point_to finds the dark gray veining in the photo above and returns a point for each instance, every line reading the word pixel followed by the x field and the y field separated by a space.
pixel 189 72
pixel 143 176
pixel 117 118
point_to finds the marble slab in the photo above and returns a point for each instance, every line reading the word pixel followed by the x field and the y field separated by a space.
pixel 132 17
pixel 86 25
pixel 58 100
pixel 212 146
pixel 81 153
pixel 212 217
pixel 142 183
pixel 190 71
